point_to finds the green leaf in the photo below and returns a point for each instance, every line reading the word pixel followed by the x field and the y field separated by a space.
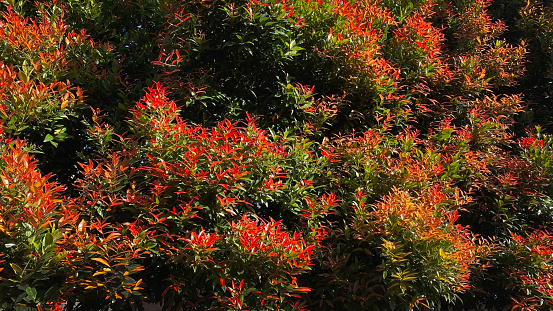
pixel 31 291
pixel 21 297
pixel 48 239
pixel 48 138
pixel 150 244
pixel 23 76
pixel 17 269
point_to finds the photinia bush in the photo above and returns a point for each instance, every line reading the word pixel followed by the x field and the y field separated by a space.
pixel 30 272
pixel 274 155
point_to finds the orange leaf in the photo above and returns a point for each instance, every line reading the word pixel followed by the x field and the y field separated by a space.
pixel 81 228
pixel 101 260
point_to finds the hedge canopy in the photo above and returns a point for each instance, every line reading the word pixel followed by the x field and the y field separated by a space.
pixel 276 155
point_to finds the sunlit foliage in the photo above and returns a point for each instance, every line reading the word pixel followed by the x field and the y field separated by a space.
pixel 275 155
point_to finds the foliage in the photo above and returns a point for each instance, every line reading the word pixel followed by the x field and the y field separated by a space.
pixel 274 155
pixel 531 21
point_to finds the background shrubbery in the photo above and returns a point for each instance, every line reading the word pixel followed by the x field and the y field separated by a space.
pixel 276 155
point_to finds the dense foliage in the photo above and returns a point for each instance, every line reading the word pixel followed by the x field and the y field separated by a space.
pixel 276 155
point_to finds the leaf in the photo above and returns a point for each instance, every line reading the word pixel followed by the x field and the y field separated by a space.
pixel 103 271
pixel 81 227
pixel 150 244
pixel 31 291
pixel 136 286
pixel 48 239
pixel 48 138
pixel 20 297
pixel 23 76
pixel 5 180
pixel 17 269
pixel 102 261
